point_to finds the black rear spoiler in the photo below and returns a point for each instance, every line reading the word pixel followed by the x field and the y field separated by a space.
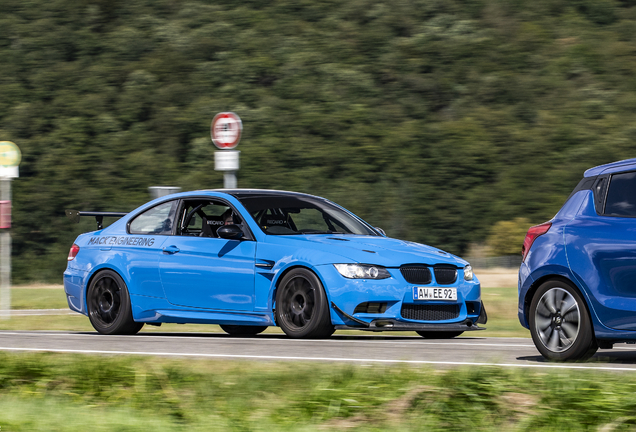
pixel 75 215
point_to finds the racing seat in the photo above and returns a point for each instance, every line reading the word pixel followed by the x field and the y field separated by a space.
pixel 210 225
pixel 268 221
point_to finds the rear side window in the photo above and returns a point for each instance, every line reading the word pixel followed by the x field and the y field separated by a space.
pixel 621 195
pixel 157 220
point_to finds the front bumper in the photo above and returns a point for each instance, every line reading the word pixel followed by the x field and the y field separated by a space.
pixel 396 295
pixel 399 325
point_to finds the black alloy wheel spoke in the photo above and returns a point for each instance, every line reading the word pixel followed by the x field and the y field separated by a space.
pixel 296 319
pixel 106 300
pixel 298 302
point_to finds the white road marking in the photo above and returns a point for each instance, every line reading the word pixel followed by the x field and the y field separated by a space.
pixel 23 313
pixel 37 310
pixel 334 359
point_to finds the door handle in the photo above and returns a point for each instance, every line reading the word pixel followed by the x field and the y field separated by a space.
pixel 171 250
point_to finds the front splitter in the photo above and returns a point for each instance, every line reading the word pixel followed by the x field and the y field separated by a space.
pixel 395 325
pixel 392 325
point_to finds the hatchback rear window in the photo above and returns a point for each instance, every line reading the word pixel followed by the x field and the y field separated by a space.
pixel 621 196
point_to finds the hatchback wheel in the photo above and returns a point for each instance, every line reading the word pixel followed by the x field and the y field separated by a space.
pixel 560 323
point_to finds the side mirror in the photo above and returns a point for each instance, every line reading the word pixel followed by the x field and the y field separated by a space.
pixel 230 232
pixel 381 231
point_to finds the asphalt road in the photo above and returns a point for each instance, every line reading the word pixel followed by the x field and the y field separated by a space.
pixel 372 349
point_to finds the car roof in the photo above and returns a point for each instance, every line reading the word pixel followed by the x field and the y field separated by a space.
pixel 610 166
pixel 248 193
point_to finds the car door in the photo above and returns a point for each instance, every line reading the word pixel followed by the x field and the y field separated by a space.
pixel 200 270
pixel 601 248
pixel 141 248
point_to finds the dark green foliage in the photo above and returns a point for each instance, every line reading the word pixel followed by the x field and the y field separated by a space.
pixel 431 119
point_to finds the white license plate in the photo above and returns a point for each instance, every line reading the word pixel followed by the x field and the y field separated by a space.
pixel 422 293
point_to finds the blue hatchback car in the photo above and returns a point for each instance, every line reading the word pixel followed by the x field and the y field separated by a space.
pixel 248 259
pixel 577 282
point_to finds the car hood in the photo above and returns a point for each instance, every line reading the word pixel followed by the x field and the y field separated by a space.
pixel 383 251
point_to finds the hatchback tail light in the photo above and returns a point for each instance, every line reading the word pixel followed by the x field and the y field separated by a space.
pixel 73 252
pixel 531 236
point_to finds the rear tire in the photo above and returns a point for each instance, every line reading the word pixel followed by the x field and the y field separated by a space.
pixel 439 334
pixel 560 323
pixel 302 309
pixel 241 330
pixel 108 305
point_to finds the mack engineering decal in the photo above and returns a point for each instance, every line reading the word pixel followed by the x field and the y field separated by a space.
pixel 122 241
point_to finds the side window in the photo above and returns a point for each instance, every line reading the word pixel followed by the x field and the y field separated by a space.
pixel 621 195
pixel 157 220
pixel 599 188
pixel 201 218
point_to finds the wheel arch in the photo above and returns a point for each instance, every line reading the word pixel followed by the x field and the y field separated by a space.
pixel 93 275
pixel 557 277
pixel 121 321
pixel 282 275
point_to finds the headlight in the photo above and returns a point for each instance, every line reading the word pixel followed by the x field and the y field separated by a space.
pixel 468 273
pixel 362 271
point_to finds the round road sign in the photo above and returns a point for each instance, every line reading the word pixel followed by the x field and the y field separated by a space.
pixel 226 130
pixel 9 154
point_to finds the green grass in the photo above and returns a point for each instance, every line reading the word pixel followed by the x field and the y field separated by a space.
pixel 38 298
pixel 66 393
pixel 501 305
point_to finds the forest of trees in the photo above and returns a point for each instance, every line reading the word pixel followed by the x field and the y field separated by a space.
pixel 433 119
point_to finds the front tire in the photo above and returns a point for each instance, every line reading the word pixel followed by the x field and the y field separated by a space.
pixel 302 310
pixel 560 323
pixel 242 330
pixel 108 305
pixel 439 334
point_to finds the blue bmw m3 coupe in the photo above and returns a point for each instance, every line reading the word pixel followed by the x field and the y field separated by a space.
pixel 248 259
pixel 577 282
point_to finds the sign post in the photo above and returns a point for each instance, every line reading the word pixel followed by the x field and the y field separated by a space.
pixel 9 160
pixel 226 130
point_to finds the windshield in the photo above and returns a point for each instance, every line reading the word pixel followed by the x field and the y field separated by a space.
pixel 290 214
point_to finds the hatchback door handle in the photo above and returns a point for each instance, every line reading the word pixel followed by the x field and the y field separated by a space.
pixel 171 250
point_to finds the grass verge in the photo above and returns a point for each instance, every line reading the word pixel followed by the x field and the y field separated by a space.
pixel 38 298
pixel 64 393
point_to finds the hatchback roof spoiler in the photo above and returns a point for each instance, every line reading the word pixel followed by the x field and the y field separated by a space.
pixel 75 215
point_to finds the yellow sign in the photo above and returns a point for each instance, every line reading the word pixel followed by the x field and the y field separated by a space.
pixel 9 154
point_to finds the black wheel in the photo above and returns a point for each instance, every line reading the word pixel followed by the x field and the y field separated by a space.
pixel 241 330
pixel 109 305
pixel 439 334
pixel 560 323
pixel 302 310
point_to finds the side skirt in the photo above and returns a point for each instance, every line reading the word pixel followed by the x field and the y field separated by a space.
pixel 209 317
